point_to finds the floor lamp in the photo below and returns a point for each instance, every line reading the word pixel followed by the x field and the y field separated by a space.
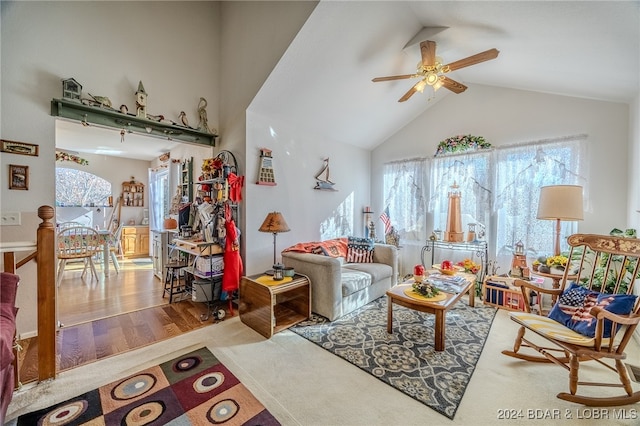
pixel 274 223
pixel 560 202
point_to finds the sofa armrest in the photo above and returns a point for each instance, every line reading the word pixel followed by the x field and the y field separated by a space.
pixel 387 254
pixel 325 275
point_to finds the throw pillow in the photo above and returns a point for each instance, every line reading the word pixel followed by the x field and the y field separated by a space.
pixel 573 306
pixel 360 250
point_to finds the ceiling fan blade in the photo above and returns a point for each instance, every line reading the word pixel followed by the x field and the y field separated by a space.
pixel 394 77
pixel 453 85
pixel 474 59
pixel 428 52
pixel 410 93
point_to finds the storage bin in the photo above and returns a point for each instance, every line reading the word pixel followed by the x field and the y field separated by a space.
pixel 206 290
pixel 209 265
pixel 499 292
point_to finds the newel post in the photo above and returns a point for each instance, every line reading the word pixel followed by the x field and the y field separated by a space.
pixel 46 260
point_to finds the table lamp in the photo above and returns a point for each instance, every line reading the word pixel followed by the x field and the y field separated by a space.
pixel 274 223
pixel 560 202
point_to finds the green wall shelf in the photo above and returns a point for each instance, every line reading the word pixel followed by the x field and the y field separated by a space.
pixel 107 117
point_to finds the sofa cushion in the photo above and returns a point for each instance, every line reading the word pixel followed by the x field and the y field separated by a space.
pixel 360 250
pixel 377 271
pixel 572 309
pixel 354 281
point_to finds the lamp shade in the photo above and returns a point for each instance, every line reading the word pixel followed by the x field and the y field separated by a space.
pixel 274 223
pixel 563 202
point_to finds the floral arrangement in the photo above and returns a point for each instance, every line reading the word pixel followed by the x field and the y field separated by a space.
pixel 211 164
pixel 470 266
pixel 559 261
pixel 425 288
pixel 65 156
pixel 461 143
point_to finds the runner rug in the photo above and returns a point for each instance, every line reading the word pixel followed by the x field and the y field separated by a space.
pixel 406 359
pixel 194 388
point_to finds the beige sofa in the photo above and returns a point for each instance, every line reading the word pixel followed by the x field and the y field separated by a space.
pixel 338 287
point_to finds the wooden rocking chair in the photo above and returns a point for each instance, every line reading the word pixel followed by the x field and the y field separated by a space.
pixel 582 325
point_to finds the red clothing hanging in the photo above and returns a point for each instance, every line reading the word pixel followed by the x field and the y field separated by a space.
pixel 233 267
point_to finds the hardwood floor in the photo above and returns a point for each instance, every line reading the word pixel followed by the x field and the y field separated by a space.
pixel 95 326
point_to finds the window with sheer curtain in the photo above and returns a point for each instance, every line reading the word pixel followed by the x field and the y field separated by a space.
pixel 521 170
pixel 472 174
pixel 499 186
pixel 405 197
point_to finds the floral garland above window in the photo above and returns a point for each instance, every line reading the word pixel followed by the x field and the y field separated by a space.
pixel 461 143
pixel 65 156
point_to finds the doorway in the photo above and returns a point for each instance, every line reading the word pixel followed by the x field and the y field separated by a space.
pixel 81 298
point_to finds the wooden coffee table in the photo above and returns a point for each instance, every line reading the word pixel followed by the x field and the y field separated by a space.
pixel 398 296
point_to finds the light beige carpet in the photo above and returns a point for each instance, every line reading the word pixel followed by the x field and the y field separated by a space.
pixel 302 384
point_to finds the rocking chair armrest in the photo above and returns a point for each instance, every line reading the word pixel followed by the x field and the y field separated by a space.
pixel 600 313
pixel 535 287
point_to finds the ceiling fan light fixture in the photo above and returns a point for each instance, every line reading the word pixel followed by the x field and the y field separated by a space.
pixel 431 70
pixel 432 78
pixel 421 85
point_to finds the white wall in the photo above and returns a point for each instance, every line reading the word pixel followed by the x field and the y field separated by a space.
pixel 108 47
pixel 634 161
pixel 297 158
pixel 254 36
pixel 505 116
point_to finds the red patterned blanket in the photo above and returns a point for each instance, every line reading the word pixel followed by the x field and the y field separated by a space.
pixel 334 248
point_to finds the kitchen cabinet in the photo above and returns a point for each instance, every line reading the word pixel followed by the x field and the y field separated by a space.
pixel 135 241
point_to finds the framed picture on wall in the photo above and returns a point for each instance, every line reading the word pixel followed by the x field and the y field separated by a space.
pixel 18 177
pixel 21 148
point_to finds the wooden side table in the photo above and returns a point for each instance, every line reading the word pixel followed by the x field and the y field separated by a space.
pixel 272 307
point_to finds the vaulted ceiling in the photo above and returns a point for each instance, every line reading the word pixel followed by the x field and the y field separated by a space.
pixel 584 49
pixel 323 82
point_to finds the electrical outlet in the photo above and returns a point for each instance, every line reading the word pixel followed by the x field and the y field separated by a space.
pixel 10 218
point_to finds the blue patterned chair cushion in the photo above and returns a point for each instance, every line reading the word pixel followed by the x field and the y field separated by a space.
pixel 573 306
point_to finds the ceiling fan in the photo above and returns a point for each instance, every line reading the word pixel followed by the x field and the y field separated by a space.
pixel 431 70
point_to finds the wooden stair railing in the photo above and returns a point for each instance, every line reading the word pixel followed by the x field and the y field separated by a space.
pixel 44 255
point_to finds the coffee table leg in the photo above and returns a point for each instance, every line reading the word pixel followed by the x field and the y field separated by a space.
pixel 472 295
pixel 389 315
pixel 439 334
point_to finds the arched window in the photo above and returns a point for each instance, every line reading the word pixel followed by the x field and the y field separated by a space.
pixel 76 188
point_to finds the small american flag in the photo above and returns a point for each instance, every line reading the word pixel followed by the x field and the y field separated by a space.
pixel 384 217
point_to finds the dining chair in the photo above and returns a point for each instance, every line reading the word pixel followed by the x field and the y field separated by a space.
pixel 115 247
pixel 74 243
pixel 69 224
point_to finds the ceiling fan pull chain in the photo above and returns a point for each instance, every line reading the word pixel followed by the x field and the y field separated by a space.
pixel 122 133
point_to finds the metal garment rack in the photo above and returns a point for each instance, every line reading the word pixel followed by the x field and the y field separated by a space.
pixel 480 249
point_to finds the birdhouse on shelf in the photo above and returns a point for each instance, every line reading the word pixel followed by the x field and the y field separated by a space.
pixel 71 89
pixel 141 101
pixel 519 266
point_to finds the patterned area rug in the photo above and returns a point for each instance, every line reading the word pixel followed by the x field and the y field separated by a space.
pixel 407 359
pixel 194 388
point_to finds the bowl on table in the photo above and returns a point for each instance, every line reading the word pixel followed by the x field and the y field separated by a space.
pixel 451 271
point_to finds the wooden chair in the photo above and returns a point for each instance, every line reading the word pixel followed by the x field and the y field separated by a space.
pixel 115 247
pixel 77 242
pixel 605 266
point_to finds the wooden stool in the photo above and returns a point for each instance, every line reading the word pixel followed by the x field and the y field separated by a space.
pixel 172 285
